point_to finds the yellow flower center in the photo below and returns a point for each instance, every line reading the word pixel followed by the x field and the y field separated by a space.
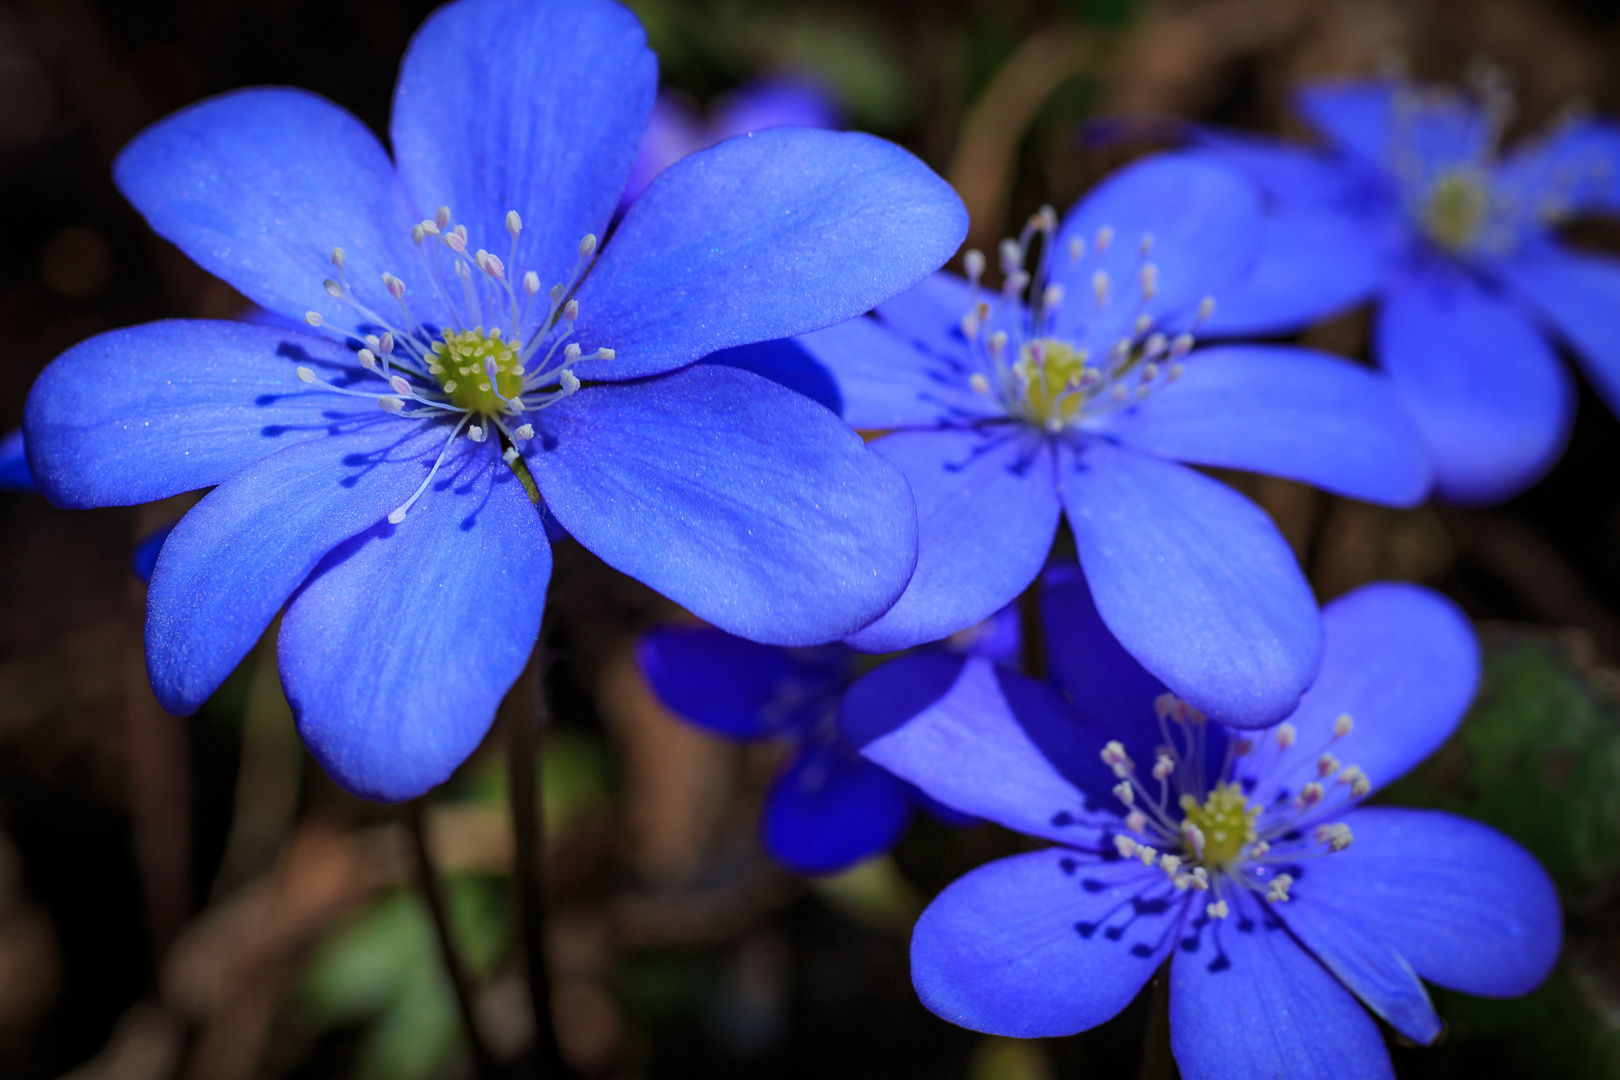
pixel 458 362
pixel 1455 213
pixel 1053 374
pixel 1226 819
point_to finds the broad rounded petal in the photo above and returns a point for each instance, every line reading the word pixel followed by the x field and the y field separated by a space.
pixel 987 510
pixel 398 650
pixel 1403 663
pixel 1043 944
pixel 1468 908
pixel 886 381
pixel 528 105
pixel 1203 217
pixel 831 808
pixel 1355 115
pixel 987 742
pixel 1195 581
pixel 753 507
pixel 764 236
pixel 1487 392
pixel 238 555
pixel 1248 1003
pixel 14 474
pixel 1290 412
pixel 258 186
pixel 734 687
pixel 135 415
pixel 1578 294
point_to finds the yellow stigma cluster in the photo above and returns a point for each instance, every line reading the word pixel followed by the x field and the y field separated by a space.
pixel 458 364
pixel 1454 215
pixel 1053 374
pixel 1226 819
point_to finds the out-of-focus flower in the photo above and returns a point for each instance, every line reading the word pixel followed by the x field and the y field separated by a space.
pixel 1243 858
pixel 14 474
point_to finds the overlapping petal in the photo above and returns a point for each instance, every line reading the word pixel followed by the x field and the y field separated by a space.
pixel 752 506
pixel 14 473
pixel 1491 399
pixel 238 555
pixel 1043 944
pixel 1355 115
pixel 143 413
pixel 767 236
pixel 1574 170
pixel 1194 581
pixel 1290 412
pixel 399 648
pixel 831 808
pixel 528 105
pixel 987 509
pixel 885 381
pixel 1248 1003
pixel 733 687
pixel 258 186
pixel 1577 293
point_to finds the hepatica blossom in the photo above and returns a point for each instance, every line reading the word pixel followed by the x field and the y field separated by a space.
pixel 1415 205
pixel 828 808
pixel 472 348
pixel 1005 414
pixel 1243 858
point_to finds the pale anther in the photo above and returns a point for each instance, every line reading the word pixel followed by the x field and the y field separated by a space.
pixel 1105 237
pixel 390 404
pixel 442 218
pixel 1218 910
pixel 332 288
pixel 514 224
pixel 305 374
pixel 313 318
pixel 588 244
pixel 531 283
pixel 1286 734
pixel 1342 726
pixel 524 433
pixel 973 264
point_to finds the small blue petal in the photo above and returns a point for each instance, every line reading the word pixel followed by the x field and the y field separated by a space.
pixel 1489 396
pixel 258 186
pixel 1248 1003
pixel 1043 944
pixel 1403 662
pixel 987 510
pixel 1290 412
pixel 402 644
pixel 831 809
pixel 527 105
pixel 238 555
pixel 751 506
pixel 737 688
pixel 764 236
pixel 1194 581
pixel 1204 220
pixel 14 474
pixel 137 415
pixel 1355 115
pixel 1578 294
pixel 1468 908
pixel 144 559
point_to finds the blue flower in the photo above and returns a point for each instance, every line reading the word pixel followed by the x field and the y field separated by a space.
pixel 14 474
pixel 674 131
pixel 1414 206
pixel 1004 417
pixel 377 474
pixel 1245 859
pixel 829 808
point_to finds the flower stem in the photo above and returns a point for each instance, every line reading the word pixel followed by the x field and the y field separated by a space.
pixel 525 719
pixel 1158 1062
pixel 428 882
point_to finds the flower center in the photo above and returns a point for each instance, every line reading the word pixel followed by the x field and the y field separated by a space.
pixel 1457 207
pixel 1227 819
pixel 481 373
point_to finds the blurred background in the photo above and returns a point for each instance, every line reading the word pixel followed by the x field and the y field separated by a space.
pixel 193 898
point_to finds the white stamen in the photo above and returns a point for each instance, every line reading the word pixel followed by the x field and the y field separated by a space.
pixel 368 360
pixel 531 283
pixel 401 386
pixel 1336 837
pixel 588 244
pixel 1326 766
pixel 1105 237
pixel 442 218
pixel 305 374
pixel 570 381
pixel 510 455
pixel 514 224
pixel 1124 793
pixel 337 257
pixel 1099 287
pixel 313 318
pixel 973 263
pixel 1217 910
pixel 523 433
pixel 1286 734
pixel 332 288
pixel 1343 726
pixel 476 433
pixel 979 383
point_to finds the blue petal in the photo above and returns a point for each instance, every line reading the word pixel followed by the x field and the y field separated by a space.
pixel 1403 662
pixel 136 415
pixel 753 507
pixel 886 381
pixel 1356 116
pixel 1247 1003
pixel 1574 170
pixel 777 101
pixel 1043 944
pixel 764 236
pixel 239 554
pixel 830 809
pixel 1289 412
pixel 987 510
pixel 1000 637
pixel 1204 219
pixel 14 474
pixel 1578 294
pixel 145 556
pixel 398 650
pixel 527 105
pixel 930 315
pixel 1293 173
pixel 672 133
pixel 786 361
pixel 258 186
pixel 1366 963
pixel 987 742
pixel 1492 400
pixel 1468 908
pixel 1194 581
pixel 737 688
